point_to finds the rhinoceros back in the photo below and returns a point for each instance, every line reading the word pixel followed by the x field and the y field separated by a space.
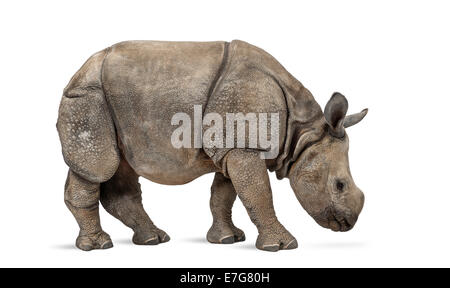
pixel 146 83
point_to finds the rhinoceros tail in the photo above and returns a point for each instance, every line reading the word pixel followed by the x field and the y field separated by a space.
pixel 85 126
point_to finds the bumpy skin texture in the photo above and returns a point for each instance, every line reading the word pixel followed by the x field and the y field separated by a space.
pixel 115 125
pixel 253 81
pixel 85 125
pixel 223 196
pixel 251 181
pixel 81 197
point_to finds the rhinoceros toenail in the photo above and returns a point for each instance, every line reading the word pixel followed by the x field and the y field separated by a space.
pixel 291 245
pixel 152 241
pixel 271 248
pixel 227 240
pixel 107 245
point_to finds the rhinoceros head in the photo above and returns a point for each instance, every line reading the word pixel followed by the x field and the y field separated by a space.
pixel 321 178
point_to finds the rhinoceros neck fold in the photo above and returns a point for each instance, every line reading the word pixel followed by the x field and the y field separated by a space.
pixel 304 123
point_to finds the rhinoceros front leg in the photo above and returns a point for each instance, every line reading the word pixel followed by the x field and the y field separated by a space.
pixel 249 176
pixel 223 196
pixel 82 197
pixel 121 197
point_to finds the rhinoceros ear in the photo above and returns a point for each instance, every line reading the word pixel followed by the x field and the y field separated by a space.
pixel 353 119
pixel 335 111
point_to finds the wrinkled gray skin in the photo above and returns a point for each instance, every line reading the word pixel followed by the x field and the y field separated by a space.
pixel 115 126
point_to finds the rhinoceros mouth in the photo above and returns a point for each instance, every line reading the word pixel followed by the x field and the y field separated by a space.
pixel 335 221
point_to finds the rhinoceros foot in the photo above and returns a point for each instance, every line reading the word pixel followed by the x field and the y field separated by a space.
pixel 100 240
pixel 151 236
pixel 275 238
pixel 225 234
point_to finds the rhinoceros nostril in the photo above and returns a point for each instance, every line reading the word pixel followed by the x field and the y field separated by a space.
pixel 340 186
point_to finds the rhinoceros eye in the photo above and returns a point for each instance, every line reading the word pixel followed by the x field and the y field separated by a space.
pixel 340 185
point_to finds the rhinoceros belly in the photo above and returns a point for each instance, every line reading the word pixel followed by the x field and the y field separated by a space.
pixel 146 83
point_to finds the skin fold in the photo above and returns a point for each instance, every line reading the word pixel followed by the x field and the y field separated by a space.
pixel 114 124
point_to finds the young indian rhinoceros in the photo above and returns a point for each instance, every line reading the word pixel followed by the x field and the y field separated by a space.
pixel 115 125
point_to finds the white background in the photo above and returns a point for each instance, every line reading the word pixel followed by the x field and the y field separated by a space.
pixel 390 56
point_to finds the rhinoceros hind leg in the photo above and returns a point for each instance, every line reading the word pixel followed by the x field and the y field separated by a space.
pixel 223 196
pixel 121 197
pixel 81 197
pixel 85 125
pixel 87 135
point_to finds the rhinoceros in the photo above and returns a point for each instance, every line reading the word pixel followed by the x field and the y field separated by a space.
pixel 115 125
